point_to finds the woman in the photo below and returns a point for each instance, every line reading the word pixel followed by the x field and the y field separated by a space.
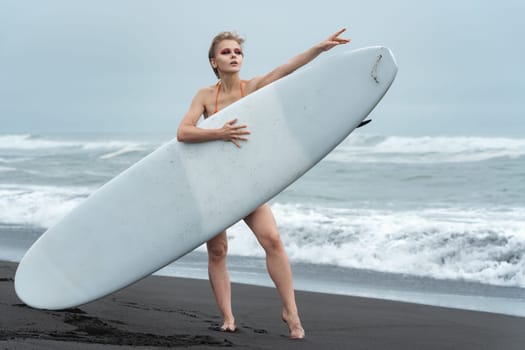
pixel 226 58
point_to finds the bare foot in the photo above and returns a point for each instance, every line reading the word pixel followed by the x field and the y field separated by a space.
pixel 294 325
pixel 229 326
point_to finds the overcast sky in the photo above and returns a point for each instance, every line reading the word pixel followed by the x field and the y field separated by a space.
pixel 132 66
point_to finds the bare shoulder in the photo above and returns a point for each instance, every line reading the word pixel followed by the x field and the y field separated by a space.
pixel 204 93
pixel 205 100
pixel 204 97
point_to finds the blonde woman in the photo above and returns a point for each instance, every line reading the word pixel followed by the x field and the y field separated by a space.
pixel 226 59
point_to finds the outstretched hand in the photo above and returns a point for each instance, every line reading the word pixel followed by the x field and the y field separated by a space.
pixel 333 40
pixel 234 133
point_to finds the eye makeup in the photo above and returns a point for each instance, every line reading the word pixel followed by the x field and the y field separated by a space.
pixel 238 52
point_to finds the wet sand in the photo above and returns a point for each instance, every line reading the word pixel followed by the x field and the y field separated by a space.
pixel 166 312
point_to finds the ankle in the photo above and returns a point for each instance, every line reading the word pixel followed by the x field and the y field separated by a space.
pixel 290 314
pixel 228 321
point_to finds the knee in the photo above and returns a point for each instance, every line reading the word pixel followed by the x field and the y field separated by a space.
pixel 217 251
pixel 272 243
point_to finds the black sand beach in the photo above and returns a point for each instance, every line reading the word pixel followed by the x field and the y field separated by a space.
pixel 166 312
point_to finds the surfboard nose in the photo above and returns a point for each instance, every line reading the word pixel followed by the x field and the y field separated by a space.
pixel 384 68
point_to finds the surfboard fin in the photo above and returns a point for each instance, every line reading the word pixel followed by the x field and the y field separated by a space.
pixel 363 123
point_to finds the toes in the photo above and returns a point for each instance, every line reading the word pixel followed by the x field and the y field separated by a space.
pixel 297 333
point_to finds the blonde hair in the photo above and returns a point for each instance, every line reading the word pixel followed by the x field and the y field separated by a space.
pixel 218 38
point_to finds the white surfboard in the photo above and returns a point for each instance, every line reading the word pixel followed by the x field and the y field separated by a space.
pixel 181 195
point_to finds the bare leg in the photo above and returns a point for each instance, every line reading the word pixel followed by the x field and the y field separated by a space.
pixel 263 225
pixel 219 278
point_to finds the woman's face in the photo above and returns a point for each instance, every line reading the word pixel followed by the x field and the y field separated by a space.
pixel 228 57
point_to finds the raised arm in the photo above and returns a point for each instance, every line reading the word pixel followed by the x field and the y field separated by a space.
pixel 189 132
pixel 299 60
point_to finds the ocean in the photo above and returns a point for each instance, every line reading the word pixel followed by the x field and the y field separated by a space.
pixel 433 220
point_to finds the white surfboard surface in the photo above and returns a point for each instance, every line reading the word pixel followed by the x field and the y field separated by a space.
pixel 181 195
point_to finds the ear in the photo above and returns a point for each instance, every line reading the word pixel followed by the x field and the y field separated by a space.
pixel 213 63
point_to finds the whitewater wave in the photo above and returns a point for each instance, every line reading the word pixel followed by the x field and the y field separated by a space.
pixel 124 150
pixel 31 142
pixel 5 169
pixel 39 206
pixel 485 245
pixel 482 245
pixel 357 148
pixel 395 149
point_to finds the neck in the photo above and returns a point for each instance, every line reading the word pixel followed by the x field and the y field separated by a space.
pixel 230 82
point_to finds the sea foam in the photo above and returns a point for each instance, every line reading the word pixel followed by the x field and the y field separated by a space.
pixel 396 149
pixel 481 245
